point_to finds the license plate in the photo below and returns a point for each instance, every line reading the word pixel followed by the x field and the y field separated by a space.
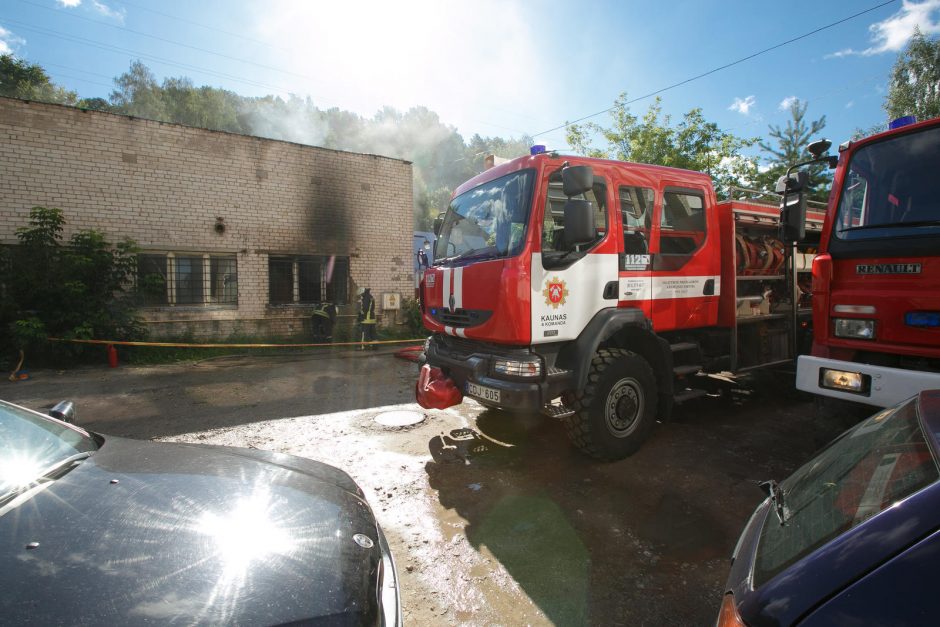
pixel 482 392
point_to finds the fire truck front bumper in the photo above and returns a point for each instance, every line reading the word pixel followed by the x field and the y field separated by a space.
pixel 880 386
pixel 507 378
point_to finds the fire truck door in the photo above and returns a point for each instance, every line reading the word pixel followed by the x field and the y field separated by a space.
pixel 686 267
pixel 569 287
pixel 635 260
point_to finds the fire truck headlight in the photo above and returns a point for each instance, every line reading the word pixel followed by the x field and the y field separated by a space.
pixel 855 328
pixel 518 368
pixel 843 381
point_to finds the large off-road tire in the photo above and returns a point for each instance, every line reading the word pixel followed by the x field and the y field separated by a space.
pixel 616 410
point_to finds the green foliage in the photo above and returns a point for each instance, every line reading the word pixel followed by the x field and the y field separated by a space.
pixel 790 148
pixel 411 308
pixel 74 291
pixel 914 88
pixel 693 144
pixel 21 79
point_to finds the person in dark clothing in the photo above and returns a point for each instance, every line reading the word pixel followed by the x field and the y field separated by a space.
pixel 367 319
pixel 324 317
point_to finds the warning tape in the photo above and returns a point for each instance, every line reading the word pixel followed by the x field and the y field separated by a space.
pixel 186 345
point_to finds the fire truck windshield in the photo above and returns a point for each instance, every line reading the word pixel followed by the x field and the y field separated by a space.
pixel 487 221
pixel 891 190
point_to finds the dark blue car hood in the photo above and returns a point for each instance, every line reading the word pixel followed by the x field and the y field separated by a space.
pixel 166 533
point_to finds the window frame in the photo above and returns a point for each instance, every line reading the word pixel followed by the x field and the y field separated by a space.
pixel 200 297
pixel 327 289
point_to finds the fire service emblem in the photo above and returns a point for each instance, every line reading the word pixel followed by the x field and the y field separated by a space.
pixel 555 292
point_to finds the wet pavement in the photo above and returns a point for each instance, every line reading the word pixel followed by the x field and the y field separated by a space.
pixel 493 518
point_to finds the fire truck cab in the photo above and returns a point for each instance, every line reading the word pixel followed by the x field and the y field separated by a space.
pixel 596 290
pixel 876 281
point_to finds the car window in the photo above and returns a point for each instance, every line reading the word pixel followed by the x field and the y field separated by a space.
pixel 876 464
pixel 553 224
pixel 636 210
pixel 31 444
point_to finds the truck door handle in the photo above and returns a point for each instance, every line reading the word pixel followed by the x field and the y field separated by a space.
pixel 610 290
pixel 709 288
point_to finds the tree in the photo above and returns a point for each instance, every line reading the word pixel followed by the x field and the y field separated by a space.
pixel 914 88
pixel 27 81
pixel 790 148
pixel 137 93
pixel 692 144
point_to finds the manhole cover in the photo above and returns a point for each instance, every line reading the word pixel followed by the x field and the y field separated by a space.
pixel 399 418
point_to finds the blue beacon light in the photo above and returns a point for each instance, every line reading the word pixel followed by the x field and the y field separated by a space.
pixel 907 120
pixel 537 149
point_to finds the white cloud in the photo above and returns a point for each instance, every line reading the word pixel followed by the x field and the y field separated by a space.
pixel 105 10
pixel 850 104
pixel 787 102
pixel 743 106
pixel 8 40
pixel 470 63
pixel 893 33
pixel 71 4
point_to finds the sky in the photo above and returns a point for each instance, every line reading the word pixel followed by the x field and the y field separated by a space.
pixel 494 67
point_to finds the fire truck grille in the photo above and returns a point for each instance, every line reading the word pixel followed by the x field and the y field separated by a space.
pixel 462 318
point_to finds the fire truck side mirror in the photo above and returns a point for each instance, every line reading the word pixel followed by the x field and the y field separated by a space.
pixel 438 224
pixel 577 179
pixel 793 205
pixel 579 223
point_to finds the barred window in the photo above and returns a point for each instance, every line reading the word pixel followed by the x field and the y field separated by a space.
pixel 308 279
pixel 187 279
pixel 152 280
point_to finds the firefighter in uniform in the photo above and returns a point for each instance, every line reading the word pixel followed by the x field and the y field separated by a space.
pixel 366 318
pixel 324 317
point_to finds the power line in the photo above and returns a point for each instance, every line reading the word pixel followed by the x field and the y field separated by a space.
pixel 170 62
pixel 170 41
pixel 723 67
pixel 200 25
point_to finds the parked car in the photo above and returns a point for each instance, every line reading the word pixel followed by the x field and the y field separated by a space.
pixel 105 530
pixel 852 537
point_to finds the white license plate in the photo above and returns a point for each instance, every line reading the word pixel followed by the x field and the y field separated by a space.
pixel 482 392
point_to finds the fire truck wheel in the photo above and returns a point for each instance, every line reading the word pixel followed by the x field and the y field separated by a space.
pixel 615 412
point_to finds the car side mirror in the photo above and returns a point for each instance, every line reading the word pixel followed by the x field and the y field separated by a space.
pixel 579 223
pixel 438 224
pixel 793 189
pixel 578 179
pixel 64 411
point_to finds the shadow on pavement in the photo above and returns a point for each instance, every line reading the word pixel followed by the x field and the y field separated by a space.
pixel 645 540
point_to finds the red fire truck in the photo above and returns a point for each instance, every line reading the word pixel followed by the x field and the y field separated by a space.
pixel 597 291
pixel 876 281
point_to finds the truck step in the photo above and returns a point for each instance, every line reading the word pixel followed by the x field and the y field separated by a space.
pixel 557 410
pixel 678 347
pixel 688 395
pixel 681 371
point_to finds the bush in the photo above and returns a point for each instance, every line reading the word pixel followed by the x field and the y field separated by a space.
pixel 77 290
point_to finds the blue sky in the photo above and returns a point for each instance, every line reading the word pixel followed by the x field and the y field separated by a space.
pixel 494 67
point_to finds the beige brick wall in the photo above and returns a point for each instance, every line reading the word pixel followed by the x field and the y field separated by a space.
pixel 164 186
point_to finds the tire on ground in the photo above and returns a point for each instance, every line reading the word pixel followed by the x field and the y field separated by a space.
pixel 616 410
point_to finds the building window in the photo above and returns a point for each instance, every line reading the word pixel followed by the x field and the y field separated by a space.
pixel 152 280
pixel 306 279
pixel 187 279
pixel 281 280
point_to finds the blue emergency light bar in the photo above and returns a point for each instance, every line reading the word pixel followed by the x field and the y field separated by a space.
pixel 907 120
pixel 537 149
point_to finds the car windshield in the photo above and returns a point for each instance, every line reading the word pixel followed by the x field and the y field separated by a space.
pixel 31 446
pixel 891 189
pixel 487 221
pixel 877 463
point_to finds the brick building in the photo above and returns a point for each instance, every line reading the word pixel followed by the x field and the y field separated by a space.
pixel 239 234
